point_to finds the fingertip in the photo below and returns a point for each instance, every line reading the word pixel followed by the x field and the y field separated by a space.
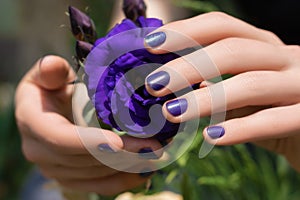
pixel 154 41
pixel 215 135
pixel 142 146
pixel 157 83
pixel 170 117
pixel 95 139
pixel 54 72
pixel 107 137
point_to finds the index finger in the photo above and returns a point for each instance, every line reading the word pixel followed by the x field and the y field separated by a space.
pixel 204 29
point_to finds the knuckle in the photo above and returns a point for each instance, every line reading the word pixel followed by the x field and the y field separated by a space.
pixel 270 36
pixel 293 51
pixel 232 47
pixel 251 81
pixel 218 16
pixel 232 44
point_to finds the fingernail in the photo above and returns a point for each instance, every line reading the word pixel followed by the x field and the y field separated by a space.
pixel 215 131
pixel 158 80
pixel 147 153
pixel 155 39
pixel 163 143
pixel 146 173
pixel 106 148
pixel 177 107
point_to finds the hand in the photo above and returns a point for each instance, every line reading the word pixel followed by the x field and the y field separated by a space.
pixel 264 93
pixel 52 141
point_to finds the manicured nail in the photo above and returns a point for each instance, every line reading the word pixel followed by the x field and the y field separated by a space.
pixel 215 132
pixel 155 39
pixel 146 173
pixel 147 153
pixel 163 143
pixel 158 80
pixel 106 148
pixel 177 107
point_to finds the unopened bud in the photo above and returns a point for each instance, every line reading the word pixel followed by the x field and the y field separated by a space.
pixel 83 49
pixel 82 25
pixel 134 8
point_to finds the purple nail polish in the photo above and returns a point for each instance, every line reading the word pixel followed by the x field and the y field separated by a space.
pixel 158 80
pixel 163 143
pixel 177 107
pixel 155 39
pixel 215 132
pixel 106 148
pixel 147 153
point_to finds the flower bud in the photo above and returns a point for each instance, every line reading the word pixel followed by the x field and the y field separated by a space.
pixel 134 8
pixel 83 49
pixel 82 25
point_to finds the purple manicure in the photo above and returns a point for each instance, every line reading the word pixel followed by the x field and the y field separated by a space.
pixel 158 80
pixel 177 107
pixel 215 132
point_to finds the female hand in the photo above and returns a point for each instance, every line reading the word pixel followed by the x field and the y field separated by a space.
pixel 52 141
pixel 263 98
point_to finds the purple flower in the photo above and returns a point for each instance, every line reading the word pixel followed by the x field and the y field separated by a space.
pixel 115 72
pixel 134 9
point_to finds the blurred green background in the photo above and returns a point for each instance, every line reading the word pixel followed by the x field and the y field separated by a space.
pixel 32 28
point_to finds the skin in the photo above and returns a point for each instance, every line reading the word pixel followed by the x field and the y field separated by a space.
pixel 258 100
pixel 51 140
pixel 262 99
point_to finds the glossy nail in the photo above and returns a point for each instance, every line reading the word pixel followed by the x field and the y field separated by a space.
pixel 158 80
pixel 155 39
pixel 146 173
pixel 215 132
pixel 177 107
pixel 106 148
pixel 147 153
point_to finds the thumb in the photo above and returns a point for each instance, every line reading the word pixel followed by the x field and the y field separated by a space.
pixel 52 72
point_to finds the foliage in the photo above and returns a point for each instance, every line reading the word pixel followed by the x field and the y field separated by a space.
pixel 13 166
pixel 237 172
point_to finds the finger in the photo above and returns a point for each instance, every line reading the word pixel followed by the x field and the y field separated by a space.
pixel 141 146
pixel 110 185
pixel 39 153
pixel 263 125
pixel 51 73
pixel 75 173
pixel 204 29
pixel 245 111
pixel 230 56
pixel 63 137
pixel 255 88
pixel 42 119
pixel 136 152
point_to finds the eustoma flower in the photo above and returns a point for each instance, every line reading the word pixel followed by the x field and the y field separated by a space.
pixel 115 72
